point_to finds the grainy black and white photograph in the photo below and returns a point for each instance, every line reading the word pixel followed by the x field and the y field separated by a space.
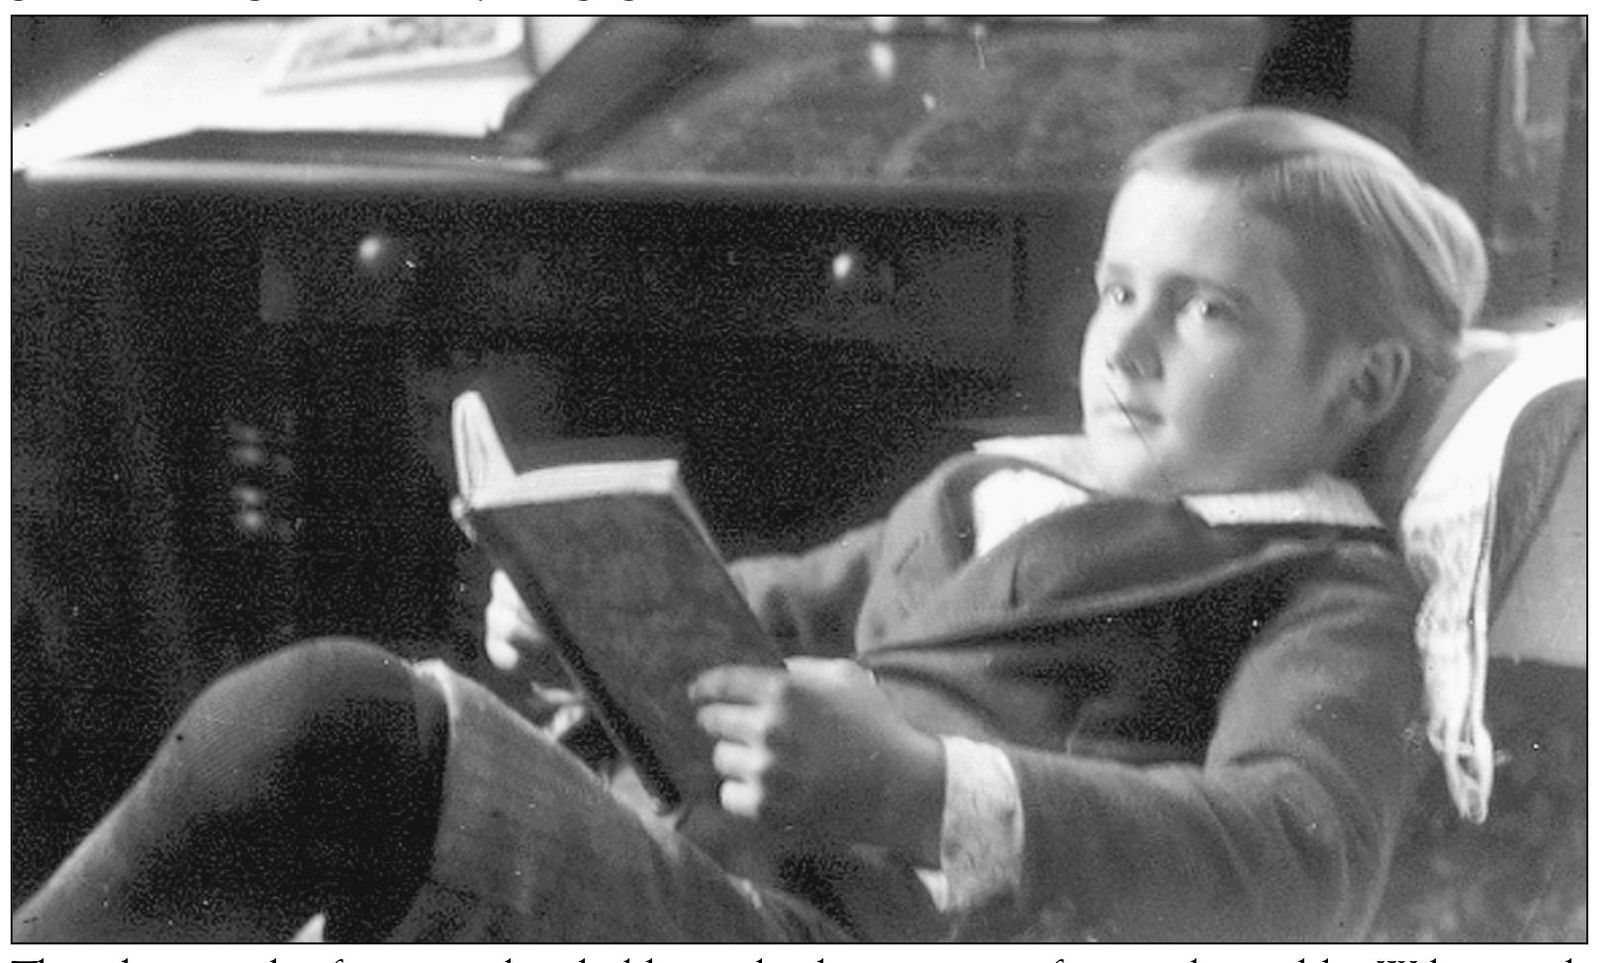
pixel 662 480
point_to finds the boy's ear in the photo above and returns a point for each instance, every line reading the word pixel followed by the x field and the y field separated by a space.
pixel 1375 386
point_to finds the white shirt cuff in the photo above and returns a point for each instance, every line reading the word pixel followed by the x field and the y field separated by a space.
pixel 983 828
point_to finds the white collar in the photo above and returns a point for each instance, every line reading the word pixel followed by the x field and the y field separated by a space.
pixel 1321 499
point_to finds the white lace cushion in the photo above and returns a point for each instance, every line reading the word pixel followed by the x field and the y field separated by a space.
pixel 1447 527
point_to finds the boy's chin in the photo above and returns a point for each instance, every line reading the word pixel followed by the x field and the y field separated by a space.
pixel 1130 473
pixel 1118 462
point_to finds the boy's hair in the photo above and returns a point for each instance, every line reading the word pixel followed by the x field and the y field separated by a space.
pixel 1378 251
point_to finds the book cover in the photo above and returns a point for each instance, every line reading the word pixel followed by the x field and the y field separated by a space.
pixel 619 570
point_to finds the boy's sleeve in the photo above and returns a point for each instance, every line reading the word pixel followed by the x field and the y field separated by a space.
pixel 1285 831
pixel 810 602
pixel 983 829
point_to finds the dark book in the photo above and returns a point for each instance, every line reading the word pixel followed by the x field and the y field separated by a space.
pixel 620 572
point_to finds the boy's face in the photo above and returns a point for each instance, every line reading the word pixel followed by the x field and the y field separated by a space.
pixel 1195 373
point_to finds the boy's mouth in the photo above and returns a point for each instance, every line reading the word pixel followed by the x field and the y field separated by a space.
pixel 1126 415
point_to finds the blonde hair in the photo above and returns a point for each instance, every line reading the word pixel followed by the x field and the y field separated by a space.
pixel 1378 251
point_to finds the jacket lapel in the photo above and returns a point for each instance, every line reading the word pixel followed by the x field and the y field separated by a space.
pixel 1066 559
pixel 1079 559
pixel 928 542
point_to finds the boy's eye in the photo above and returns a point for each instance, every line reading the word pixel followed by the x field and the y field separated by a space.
pixel 1208 309
pixel 1115 293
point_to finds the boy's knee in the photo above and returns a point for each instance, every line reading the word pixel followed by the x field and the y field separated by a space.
pixel 332 697
pixel 306 678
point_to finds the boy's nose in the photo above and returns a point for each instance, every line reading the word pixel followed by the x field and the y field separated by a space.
pixel 1135 349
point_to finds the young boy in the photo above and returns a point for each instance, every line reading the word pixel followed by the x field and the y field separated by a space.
pixel 1154 682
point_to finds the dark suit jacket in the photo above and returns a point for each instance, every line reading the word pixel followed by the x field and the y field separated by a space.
pixel 1214 729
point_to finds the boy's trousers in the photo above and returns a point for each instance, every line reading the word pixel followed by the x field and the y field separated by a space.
pixel 533 847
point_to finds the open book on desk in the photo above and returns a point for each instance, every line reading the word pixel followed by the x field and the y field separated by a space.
pixel 620 572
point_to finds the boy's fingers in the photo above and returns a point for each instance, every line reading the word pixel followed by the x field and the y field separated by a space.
pixel 555 697
pixel 741 798
pixel 824 670
pixel 733 760
pixel 728 721
pixel 500 652
pixel 508 624
pixel 503 596
pixel 736 683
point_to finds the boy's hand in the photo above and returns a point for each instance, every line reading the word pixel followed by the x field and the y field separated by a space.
pixel 819 745
pixel 511 634
pixel 509 627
